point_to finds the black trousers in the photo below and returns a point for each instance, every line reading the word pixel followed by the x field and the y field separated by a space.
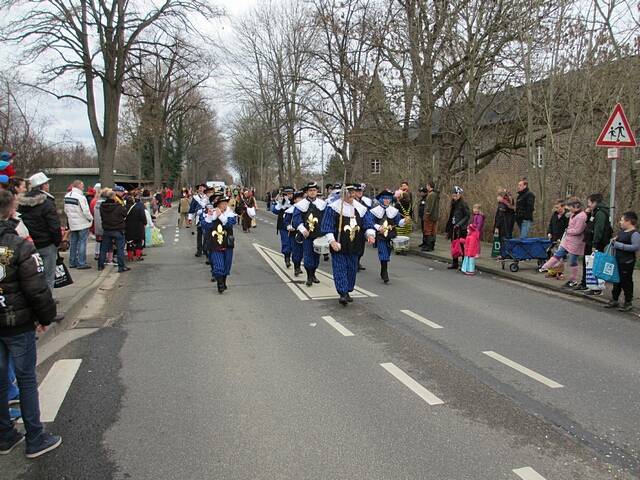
pixel 199 241
pixel 626 282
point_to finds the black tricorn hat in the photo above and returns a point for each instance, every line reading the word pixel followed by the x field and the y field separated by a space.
pixel 220 199
pixel 310 185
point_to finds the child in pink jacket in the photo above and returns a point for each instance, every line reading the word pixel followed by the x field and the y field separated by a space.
pixel 472 242
pixel 572 244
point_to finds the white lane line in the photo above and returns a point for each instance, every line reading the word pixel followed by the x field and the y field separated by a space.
pixel 528 473
pixel 343 330
pixel 522 369
pixel 283 277
pixel 55 387
pixel 411 384
pixel 421 319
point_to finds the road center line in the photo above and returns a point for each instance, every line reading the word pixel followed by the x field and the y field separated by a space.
pixel 343 330
pixel 421 319
pixel 411 384
pixel 522 369
pixel 528 473
pixel 55 387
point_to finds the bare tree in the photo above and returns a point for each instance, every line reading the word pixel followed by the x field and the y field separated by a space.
pixel 93 40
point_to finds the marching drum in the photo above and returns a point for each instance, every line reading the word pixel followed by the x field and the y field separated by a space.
pixel 321 246
pixel 400 243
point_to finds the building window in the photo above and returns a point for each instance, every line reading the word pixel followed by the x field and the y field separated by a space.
pixel 375 166
pixel 571 190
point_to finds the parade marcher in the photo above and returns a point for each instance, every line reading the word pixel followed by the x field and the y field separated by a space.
pixel 245 202
pixel 386 218
pixel 198 203
pixel 459 217
pixel 295 238
pixel 431 214
pixel 183 209
pixel 366 201
pixel 282 203
pixel 345 224
pixel 307 219
pixel 217 225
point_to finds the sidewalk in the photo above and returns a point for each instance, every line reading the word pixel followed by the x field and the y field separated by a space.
pixel 72 298
pixel 528 270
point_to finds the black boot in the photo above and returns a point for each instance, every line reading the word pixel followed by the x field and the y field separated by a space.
pixel 343 300
pixel 296 269
pixel 287 260
pixel 431 243
pixel 314 279
pixel 454 265
pixel 384 274
pixel 309 278
pixel 224 282
pixel 424 242
pixel 349 299
pixel 220 284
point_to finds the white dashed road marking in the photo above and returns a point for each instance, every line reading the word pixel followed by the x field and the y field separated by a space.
pixel 55 386
pixel 411 384
pixel 528 473
pixel 343 330
pixel 421 319
pixel 522 369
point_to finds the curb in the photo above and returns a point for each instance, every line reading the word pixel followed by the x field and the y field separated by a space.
pixel 515 277
pixel 73 308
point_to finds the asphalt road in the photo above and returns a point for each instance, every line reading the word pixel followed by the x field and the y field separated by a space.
pixel 269 381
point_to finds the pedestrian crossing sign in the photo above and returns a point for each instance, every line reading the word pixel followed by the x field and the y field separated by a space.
pixel 617 132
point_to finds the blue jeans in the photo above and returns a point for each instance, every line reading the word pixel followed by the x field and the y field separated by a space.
pixel 78 248
pixel 22 348
pixel 571 258
pixel 525 226
pixel 108 237
pixel 49 256
pixel 13 386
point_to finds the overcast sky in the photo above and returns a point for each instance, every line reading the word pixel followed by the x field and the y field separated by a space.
pixel 67 120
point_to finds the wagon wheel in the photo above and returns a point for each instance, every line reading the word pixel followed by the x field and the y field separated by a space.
pixel 514 267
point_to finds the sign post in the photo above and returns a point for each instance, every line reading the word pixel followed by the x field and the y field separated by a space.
pixel 616 134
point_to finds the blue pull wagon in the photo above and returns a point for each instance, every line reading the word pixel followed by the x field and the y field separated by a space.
pixel 524 249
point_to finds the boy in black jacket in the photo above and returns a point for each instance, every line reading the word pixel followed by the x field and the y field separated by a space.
pixel 26 305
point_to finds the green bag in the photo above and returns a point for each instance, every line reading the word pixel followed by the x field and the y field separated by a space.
pixel 497 246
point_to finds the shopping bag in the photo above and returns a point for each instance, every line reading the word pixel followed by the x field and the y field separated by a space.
pixel 62 277
pixel 592 282
pixel 605 266
pixel 148 240
pixel 495 251
pixel 156 237
pixel 456 248
pixel 251 211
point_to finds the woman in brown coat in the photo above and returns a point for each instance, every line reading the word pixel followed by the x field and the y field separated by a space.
pixel 245 202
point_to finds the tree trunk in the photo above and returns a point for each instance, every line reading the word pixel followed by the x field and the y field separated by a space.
pixel 157 161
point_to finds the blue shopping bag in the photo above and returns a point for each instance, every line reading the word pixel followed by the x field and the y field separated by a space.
pixel 605 266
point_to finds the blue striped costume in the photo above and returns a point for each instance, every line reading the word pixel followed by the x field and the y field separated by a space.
pixel 345 262
pixel 280 208
pixel 390 215
pixel 311 258
pixel 295 248
pixel 220 258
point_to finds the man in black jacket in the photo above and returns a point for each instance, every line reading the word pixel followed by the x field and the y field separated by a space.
pixel 525 205
pixel 37 209
pixel 113 216
pixel 26 304
pixel 459 217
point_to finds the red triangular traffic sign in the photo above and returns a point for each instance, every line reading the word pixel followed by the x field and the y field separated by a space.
pixel 617 132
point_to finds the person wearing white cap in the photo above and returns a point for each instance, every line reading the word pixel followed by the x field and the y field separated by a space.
pixel 37 209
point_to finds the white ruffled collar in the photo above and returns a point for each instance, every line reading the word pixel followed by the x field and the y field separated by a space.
pixel 380 210
pixel 348 210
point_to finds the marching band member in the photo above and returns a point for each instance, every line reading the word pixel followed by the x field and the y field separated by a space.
pixel 307 219
pixel 198 202
pixel 345 224
pixel 295 245
pixel 366 201
pixel 217 225
pixel 283 202
pixel 386 218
